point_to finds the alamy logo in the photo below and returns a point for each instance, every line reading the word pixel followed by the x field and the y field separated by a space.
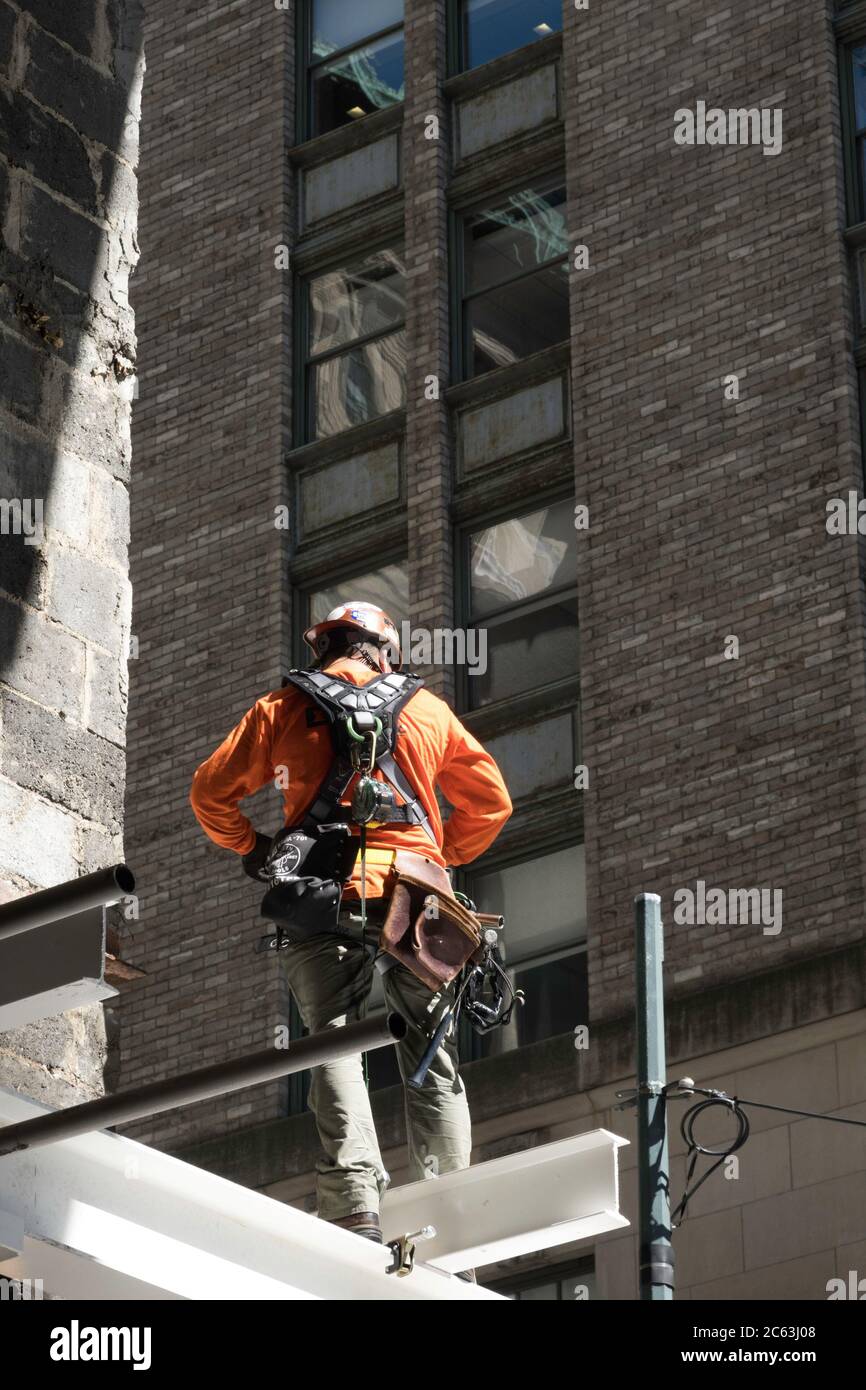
pixel 854 1288
pixel 77 1343
pixel 738 126
pixel 22 516
pixel 714 907
pixel 444 646
pixel 21 1289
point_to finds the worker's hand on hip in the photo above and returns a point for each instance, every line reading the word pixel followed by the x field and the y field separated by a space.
pixel 254 862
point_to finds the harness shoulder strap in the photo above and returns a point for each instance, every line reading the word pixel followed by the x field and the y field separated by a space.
pixel 383 697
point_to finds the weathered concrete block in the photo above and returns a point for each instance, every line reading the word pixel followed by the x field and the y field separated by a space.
pixel 22 568
pixel 109 521
pixel 67 500
pixel 107 695
pixel 25 464
pixel 521 421
pixel 4 196
pixel 64 763
pixel 93 103
pixel 339 184
pixel 21 371
pixel 39 843
pixel 87 597
pixel 7 30
pixel 67 242
pixel 504 112
pixel 348 488
pixel 40 660
pixel 74 24
pixel 46 148
pixel 118 189
pixel 87 416
pixel 32 470
pixel 72 1044
pixel 97 848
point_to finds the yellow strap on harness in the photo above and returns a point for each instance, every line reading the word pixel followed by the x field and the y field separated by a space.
pixel 382 857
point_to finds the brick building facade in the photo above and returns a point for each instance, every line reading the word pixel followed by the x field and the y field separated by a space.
pixel 433 324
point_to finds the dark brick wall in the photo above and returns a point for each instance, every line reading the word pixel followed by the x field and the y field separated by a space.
pixel 707 516
pixel 70 78
pixel 210 608
pixel 428 442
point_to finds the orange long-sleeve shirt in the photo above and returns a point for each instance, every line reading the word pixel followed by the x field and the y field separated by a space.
pixel 433 749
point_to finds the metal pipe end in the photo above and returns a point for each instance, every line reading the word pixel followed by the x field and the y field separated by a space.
pixel 124 878
pixel 397 1026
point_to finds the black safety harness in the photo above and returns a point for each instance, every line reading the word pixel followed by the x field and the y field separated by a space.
pixel 309 862
pixel 363 720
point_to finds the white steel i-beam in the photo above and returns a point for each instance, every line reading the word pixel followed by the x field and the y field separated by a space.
pixel 103 1217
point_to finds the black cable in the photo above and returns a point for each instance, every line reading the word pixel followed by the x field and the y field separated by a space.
pixel 694 1148
pixel 734 1104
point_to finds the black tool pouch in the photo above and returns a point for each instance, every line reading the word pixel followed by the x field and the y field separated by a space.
pixel 307 873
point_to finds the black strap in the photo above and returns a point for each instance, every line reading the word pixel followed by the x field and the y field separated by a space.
pixel 414 807
pixel 384 696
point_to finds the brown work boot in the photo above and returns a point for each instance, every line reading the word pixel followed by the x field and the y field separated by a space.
pixel 363 1223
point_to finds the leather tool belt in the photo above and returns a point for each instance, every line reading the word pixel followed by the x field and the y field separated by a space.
pixel 427 930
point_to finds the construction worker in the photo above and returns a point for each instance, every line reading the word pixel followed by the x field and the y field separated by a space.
pixel 330 972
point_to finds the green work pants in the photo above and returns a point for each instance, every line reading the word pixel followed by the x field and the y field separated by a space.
pixel 330 977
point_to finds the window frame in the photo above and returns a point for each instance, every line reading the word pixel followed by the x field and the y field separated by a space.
pixel 457 47
pixel 302 593
pixel 461 341
pixel 306 64
pixel 470 1043
pixel 850 28
pixel 463 600
pixel 303 413
pixel 854 190
pixel 574 1268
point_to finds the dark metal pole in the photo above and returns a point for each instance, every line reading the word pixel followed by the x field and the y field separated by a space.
pixel 329 1046
pixel 656 1255
pixel 65 899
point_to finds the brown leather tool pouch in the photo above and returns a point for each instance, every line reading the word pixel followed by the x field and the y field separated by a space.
pixel 426 928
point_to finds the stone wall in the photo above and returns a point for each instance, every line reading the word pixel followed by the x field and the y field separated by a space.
pixel 70 78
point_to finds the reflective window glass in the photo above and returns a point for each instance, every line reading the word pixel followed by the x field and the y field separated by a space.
pixel 858 61
pixel 358 385
pixel 494 27
pixel 356 300
pixel 337 24
pixel 507 324
pixel 526 231
pixel 356 84
pixel 387 588
pixel 523 557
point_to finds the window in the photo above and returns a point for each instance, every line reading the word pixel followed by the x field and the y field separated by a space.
pixel 522 591
pixel 852 81
pixel 387 587
pixel 558 1283
pixel 515 278
pixel 544 952
pixel 490 28
pixel 857 123
pixel 354 60
pixel 356 344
